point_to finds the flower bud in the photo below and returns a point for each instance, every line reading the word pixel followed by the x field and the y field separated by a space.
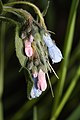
pixel 35 92
pixel 36 62
pixel 30 65
pixel 41 84
pixel 23 35
pixel 27 43
pixel 31 38
pixel 28 49
pixel 54 52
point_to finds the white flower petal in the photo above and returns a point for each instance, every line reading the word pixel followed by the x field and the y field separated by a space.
pixel 54 52
pixel 35 92
pixel 48 41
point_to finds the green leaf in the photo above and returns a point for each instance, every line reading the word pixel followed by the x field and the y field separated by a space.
pixel 67 95
pixel 67 50
pixel 7 19
pixel 29 82
pixel 36 9
pixel 19 48
pixel 75 114
pixel 1 6
pixel 2 38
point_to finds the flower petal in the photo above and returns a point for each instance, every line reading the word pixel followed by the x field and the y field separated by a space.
pixel 35 92
pixel 54 52
pixel 27 43
pixel 29 51
pixel 47 39
pixel 41 84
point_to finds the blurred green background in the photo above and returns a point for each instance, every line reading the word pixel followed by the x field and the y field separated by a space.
pixel 63 18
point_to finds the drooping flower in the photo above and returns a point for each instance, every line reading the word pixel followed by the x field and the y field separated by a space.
pixel 35 92
pixel 28 48
pixel 54 52
pixel 34 37
pixel 41 84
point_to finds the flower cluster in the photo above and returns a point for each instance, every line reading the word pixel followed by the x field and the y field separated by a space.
pixel 38 45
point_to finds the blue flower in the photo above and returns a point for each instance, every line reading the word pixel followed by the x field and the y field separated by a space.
pixel 35 92
pixel 54 52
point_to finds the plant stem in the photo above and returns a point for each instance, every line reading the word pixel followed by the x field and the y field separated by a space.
pixel 1 59
pixel 31 5
pixel 1 110
pixel 35 113
pixel 75 115
pixel 67 95
pixel 6 19
pixel 67 49
pixel 2 31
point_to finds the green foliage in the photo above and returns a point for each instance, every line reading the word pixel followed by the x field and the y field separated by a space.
pixel 1 7
pixel 75 114
pixel 67 49
pixel 19 48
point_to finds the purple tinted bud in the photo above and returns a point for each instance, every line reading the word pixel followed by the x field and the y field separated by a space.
pixel 35 92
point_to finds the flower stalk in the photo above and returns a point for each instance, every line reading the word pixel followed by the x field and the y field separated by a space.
pixel 33 6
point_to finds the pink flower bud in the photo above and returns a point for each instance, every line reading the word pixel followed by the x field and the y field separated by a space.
pixel 28 48
pixel 27 43
pixel 41 84
pixel 29 51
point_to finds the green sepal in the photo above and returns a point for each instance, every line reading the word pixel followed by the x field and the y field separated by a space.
pixel 37 38
pixel 19 48
pixel 29 81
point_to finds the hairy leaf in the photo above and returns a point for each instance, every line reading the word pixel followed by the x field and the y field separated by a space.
pixel 19 48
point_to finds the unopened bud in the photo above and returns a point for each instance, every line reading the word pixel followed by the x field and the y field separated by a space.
pixel 23 35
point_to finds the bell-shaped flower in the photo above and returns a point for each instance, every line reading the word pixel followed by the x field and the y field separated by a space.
pixel 35 92
pixel 54 52
pixel 41 84
pixel 28 48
